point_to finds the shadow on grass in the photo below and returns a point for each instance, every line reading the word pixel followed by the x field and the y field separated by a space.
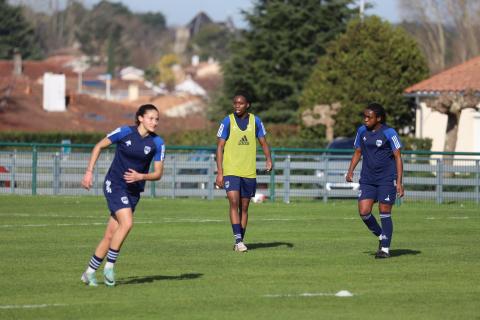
pixel 150 279
pixel 254 246
pixel 399 252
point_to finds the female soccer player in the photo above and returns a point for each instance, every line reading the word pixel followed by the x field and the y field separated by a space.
pixel 125 180
pixel 236 162
pixel 381 175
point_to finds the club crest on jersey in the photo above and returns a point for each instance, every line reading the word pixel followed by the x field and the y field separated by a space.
pixel 147 149
pixel 128 143
pixel 124 200
pixel 378 143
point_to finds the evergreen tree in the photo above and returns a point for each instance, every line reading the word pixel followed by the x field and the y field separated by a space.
pixel 274 57
pixel 372 61
pixel 16 33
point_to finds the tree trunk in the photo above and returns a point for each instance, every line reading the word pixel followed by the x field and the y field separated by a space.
pixel 452 132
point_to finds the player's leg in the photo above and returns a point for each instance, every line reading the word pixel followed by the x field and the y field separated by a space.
pixel 248 187
pixel 124 217
pixel 88 276
pixel 366 199
pixel 386 199
pixel 232 186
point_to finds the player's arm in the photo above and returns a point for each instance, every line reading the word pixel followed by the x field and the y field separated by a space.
pixel 220 148
pixel 357 155
pixel 399 163
pixel 87 180
pixel 266 152
pixel 133 176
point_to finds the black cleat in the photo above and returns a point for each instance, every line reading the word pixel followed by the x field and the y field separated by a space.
pixel 382 255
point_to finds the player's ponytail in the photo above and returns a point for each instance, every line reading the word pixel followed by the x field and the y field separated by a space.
pixel 142 110
pixel 379 111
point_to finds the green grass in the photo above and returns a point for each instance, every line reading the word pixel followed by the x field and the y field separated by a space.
pixel 178 262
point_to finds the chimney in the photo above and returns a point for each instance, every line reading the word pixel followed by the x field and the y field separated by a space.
pixel 17 63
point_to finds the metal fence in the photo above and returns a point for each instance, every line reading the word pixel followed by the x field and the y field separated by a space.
pixel 55 169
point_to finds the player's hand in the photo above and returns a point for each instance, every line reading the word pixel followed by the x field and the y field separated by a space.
pixel 268 166
pixel 349 177
pixel 87 181
pixel 131 176
pixel 400 190
pixel 219 181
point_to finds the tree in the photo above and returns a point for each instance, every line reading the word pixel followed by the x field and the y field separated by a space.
pixel 165 72
pixel 452 105
pixel 372 61
pixel 274 57
pixel 16 33
pixel 211 41
pixel 446 30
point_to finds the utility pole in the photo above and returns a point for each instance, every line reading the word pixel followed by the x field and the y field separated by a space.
pixel 362 9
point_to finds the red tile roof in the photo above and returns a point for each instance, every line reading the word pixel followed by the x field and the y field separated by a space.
pixel 459 78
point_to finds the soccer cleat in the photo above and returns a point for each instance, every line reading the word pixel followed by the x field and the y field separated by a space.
pixel 382 254
pixel 240 247
pixel 109 277
pixel 89 279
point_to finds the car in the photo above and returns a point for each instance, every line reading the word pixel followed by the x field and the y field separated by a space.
pixel 4 177
pixel 338 163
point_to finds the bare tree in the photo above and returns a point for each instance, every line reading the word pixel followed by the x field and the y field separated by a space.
pixel 447 30
pixel 322 114
pixel 452 105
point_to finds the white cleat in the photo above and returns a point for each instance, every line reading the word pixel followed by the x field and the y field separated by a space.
pixel 240 247
pixel 89 279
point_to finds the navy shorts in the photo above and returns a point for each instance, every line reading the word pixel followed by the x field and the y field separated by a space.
pixel 119 198
pixel 379 193
pixel 246 186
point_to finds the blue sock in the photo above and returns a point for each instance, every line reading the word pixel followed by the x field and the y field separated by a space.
pixel 95 262
pixel 387 227
pixel 112 255
pixel 372 224
pixel 237 232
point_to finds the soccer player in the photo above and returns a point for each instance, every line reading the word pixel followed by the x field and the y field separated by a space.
pixel 236 162
pixel 381 175
pixel 136 147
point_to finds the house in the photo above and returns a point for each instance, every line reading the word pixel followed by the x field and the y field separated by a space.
pixel 433 124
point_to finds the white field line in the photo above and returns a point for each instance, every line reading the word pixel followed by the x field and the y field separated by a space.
pixel 31 306
pixel 340 294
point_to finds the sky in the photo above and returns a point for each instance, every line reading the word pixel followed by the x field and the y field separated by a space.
pixel 180 12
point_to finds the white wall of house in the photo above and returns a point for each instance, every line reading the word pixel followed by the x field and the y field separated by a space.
pixel 433 124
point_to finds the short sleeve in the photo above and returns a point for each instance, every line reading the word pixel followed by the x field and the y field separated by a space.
pixel 394 139
pixel 160 146
pixel 119 133
pixel 224 129
pixel 260 131
pixel 358 137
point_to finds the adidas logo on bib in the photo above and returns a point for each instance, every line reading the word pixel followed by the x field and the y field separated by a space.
pixel 244 141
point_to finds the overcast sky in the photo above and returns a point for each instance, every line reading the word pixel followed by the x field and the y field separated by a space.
pixel 180 12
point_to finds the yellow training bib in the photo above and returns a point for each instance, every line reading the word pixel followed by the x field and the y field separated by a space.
pixel 240 152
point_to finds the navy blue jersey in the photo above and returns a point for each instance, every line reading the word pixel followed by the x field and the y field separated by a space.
pixel 378 164
pixel 133 152
pixel 224 129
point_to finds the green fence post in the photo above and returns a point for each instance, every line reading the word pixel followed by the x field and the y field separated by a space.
pixel 34 169
pixel 152 189
pixel 272 178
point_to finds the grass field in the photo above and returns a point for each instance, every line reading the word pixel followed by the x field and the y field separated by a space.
pixel 178 262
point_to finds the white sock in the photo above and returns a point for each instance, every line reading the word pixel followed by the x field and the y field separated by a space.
pixel 90 270
pixel 384 249
pixel 109 265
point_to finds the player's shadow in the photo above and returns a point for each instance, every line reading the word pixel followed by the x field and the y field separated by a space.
pixel 150 279
pixel 254 246
pixel 400 252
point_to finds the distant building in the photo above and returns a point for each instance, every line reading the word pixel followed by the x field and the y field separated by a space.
pixel 433 124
